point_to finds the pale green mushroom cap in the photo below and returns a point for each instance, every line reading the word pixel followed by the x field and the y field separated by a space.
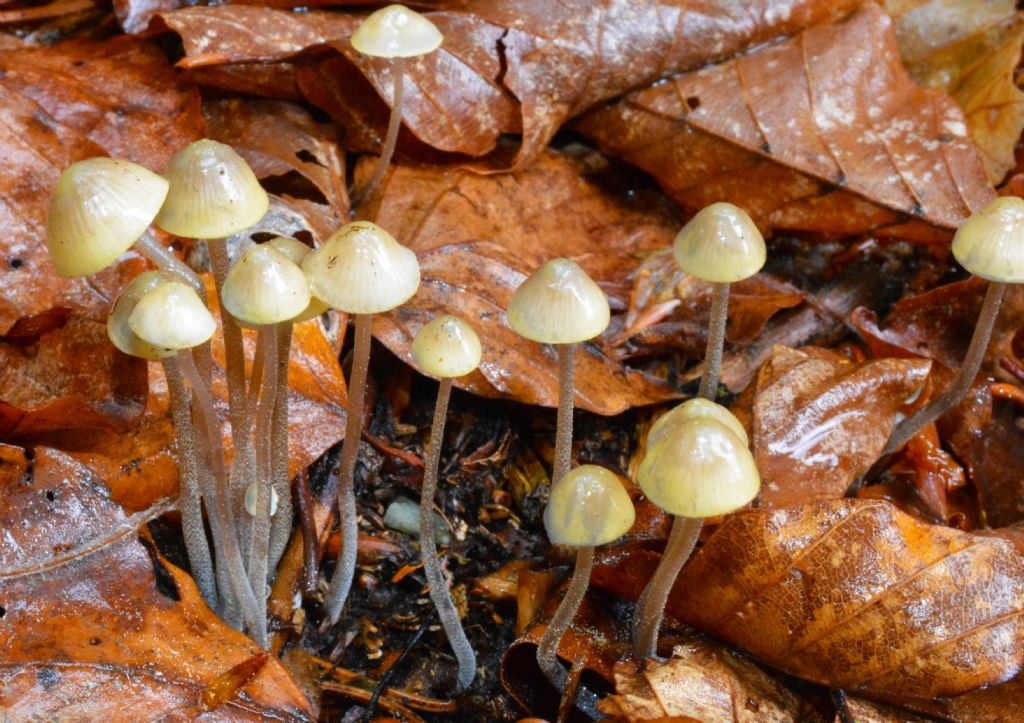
pixel 990 243
pixel 692 409
pixel 698 469
pixel 559 304
pixel 172 316
pixel 265 287
pixel 117 323
pixel 588 507
pixel 99 208
pixel 252 497
pixel 213 193
pixel 361 269
pixel 446 347
pixel 720 244
pixel 396 32
pixel 297 252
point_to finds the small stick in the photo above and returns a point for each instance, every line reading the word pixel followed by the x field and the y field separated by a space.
pixel 310 536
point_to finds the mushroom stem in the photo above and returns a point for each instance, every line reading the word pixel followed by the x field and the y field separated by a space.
pixel 391 139
pixel 167 262
pixel 965 376
pixel 563 425
pixel 547 650
pixel 281 526
pixel 345 570
pixel 189 501
pixel 716 341
pixel 428 547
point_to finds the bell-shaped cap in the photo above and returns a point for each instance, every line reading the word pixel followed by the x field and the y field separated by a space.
pixel 251 498
pixel 296 251
pixel 692 409
pixel 117 323
pixel 720 244
pixel 265 287
pixel 700 468
pixel 446 347
pixel 990 244
pixel 213 193
pixel 361 269
pixel 98 209
pixel 588 507
pixel 559 304
pixel 172 316
pixel 396 32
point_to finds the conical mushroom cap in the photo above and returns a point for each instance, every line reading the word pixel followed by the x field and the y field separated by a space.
pixel 990 244
pixel 720 244
pixel 692 409
pixel 98 209
pixel 117 323
pixel 265 287
pixel 559 304
pixel 213 193
pixel 396 32
pixel 361 269
pixel 297 252
pixel 700 469
pixel 446 347
pixel 172 316
pixel 588 507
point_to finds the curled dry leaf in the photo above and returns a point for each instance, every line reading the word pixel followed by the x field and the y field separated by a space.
pixel 855 133
pixel 96 625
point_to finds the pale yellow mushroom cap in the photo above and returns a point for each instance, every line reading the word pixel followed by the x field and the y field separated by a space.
pixel 265 287
pixel 720 244
pixel 361 269
pixel 692 409
pixel 213 193
pixel 990 243
pixel 98 209
pixel 396 32
pixel 699 469
pixel 117 323
pixel 251 498
pixel 297 252
pixel 172 316
pixel 446 347
pixel 588 507
pixel 559 304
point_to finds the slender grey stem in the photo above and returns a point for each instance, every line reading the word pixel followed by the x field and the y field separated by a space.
pixel 716 342
pixel 391 139
pixel 345 570
pixel 281 526
pixel 189 500
pixel 259 544
pixel 563 425
pixel 167 262
pixel 547 650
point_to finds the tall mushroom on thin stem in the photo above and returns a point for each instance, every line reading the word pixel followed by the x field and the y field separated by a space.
pixel 990 244
pixel 394 32
pixel 559 304
pixel 361 270
pixel 446 348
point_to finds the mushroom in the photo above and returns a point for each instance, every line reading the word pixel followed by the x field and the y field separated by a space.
pixel 989 244
pixel 394 32
pixel 697 465
pixel 361 270
pixel 587 507
pixel 446 347
pixel 559 304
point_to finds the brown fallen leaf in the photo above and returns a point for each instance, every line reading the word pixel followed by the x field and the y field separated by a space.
pixel 745 131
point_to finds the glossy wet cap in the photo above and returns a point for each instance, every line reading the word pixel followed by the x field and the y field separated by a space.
pixel 396 32
pixel 559 304
pixel 171 316
pixel 692 409
pixel 117 323
pixel 213 193
pixel 588 507
pixel 361 269
pixel 297 252
pixel 720 244
pixel 990 244
pixel 98 209
pixel 251 498
pixel 265 287
pixel 699 468
pixel 446 347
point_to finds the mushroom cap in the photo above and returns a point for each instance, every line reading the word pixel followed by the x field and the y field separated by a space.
pixel 446 347
pixel 117 323
pixel 396 31
pixel 700 469
pixel 990 243
pixel 297 252
pixel 265 287
pixel 559 304
pixel 171 316
pixel 588 507
pixel 99 207
pixel 692 409
pixel 251 498
pixel 720 244
pixel 361 269
pixel 213 193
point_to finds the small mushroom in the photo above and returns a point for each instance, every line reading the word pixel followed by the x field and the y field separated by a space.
pixel 446 348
